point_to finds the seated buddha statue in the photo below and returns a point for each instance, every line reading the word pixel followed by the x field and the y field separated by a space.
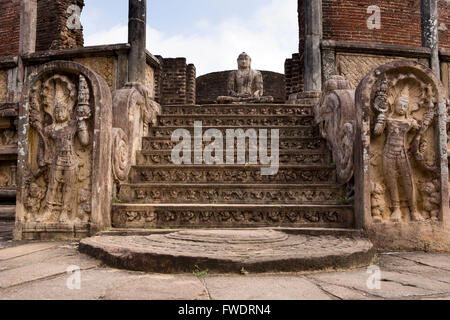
pixel 245 85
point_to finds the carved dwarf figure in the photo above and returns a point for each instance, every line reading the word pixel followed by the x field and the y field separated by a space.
pixel 396 164
pixel 245 85
pixel 378 203
pixel 431 199
pixel 36 194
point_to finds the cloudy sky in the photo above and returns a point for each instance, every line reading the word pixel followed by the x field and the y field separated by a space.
pixel 209 33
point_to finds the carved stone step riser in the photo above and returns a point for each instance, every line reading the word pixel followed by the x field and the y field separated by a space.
pixel 148 216
pixel 285 159
pixel 238 195
pixel 299 132
pixel 237 121
pixel 152 144
pixel 238 110
pixel 183 174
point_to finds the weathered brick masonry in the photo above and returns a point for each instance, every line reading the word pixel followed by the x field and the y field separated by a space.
pixel 444 23
pixel 349 39
pixel 346 20
pixel 294 75
pixel 52 30
pixel 175 83
pixel 9 27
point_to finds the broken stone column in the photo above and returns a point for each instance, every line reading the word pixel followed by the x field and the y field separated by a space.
pixel 313 37
pixel 137 24
pixel 401 166
pixel 430 34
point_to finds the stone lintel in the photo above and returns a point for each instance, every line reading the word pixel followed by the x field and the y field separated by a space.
pixel 376 48
pixel 66 54
pixel 8 62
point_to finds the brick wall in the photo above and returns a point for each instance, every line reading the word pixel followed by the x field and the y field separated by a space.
pixel 175 82
pixel 294 76
pixel 52 30
pixel 212 85
pixel 9 27
pixel 444 23
pixel 347 20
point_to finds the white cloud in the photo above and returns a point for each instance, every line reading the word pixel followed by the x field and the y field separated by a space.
pixel 269 35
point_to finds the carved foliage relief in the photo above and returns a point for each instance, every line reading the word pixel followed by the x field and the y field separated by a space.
pixel 58 173
pixel 404 163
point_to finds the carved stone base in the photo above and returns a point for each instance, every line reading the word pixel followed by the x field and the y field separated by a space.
pixel 417 236
pixel 53 231
pixel 237 100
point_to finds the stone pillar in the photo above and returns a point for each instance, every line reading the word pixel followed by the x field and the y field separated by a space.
pixel 313 37
pixel 27 41
pixel 430 35
pixel 137 23
pixel 28 20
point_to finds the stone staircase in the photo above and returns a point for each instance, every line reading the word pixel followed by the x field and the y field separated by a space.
pixel 304 193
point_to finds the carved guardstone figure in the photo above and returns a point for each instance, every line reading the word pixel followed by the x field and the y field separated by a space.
pixel 245 85
pixel 396 165
pixel 64 168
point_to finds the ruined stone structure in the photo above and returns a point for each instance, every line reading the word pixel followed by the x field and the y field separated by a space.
pixel 361 117
pixel 350 38
pixel 176 81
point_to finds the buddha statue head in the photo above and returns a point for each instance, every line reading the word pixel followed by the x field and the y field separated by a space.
pixel 244 61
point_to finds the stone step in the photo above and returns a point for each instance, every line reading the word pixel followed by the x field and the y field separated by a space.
pixel 337 232
pixel 234 194
pixel 232 120
pixel 230 109
pixel 7 212
pixel 287 157
pixel 237 174
pixel 311 144
pixel 231 250
pixel 231 216
pixel 284 132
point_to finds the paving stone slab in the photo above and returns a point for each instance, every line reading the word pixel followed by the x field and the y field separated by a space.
pixel 23 250
pixel 225 251
pixel 17 275
pixel 437 260
pixel 110 284
pixel 344 293
pixel 263 288
pixel 61 253
pixel 398 264
pixel 393 285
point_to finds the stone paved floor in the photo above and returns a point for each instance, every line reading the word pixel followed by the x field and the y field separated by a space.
pixel 39 271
